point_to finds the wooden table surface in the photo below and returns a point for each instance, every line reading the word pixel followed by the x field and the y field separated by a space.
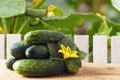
pixel 89 71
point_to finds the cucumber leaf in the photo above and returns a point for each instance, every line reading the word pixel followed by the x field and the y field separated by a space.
pixel 58 12
pixel 38 4
pixel 10 8
pixel 103 30
pixel 53 50
pixel 67 41
pixel 116 4
pixel 65 25
pixel 62 4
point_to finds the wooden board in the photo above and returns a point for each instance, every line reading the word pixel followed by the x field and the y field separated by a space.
pixel 89 71
pixel 115 49
pixel 82 42
pixel 2 46
pixel 100 49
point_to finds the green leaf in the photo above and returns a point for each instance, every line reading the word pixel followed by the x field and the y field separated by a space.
pixel 104 30
pixel 75 3
pixel 116 4
pixel 10 8
pixel 66 25
pixel 39 4
pixel 68 41
pixel 62 4
pixel 58 12
pixel 53 50
pixel 81 54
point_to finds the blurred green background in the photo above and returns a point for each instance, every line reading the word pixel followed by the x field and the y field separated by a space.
pixel 71 24
pixel 103 7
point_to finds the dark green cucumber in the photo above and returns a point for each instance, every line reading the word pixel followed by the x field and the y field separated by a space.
pixel 9 63
pixel 18 49
pixel 35 13
pixel 38 67
pixel 37 52
pixel 43 37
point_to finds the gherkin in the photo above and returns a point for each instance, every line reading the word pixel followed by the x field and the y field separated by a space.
pixel 38 67
pixel 43 37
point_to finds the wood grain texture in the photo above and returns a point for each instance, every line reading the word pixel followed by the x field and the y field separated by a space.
pixel 89 71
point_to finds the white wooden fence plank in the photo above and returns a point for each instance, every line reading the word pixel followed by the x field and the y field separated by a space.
pixel 82 43
pixel 115 49
pixel 2 46
pixel 100 49
pixel 11 39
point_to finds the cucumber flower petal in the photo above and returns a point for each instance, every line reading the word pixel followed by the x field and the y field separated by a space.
pixel 67 52
pixel 1 30
pixel 35 1
pixel 50 10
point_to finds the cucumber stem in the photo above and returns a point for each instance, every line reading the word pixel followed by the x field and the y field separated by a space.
pixel 23 25
pixel 46 24
pixel 15 24
pixel 12 24
pixel 4 25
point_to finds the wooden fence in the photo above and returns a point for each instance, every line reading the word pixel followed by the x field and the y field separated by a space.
pixel 100 47
pixel 5 42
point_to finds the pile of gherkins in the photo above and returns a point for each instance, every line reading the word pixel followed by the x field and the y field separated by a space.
pixel 37 54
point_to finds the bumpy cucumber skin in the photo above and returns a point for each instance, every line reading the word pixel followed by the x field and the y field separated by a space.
pixel 38 67
pixel 35 13
pixel 43 37
pixel 37 52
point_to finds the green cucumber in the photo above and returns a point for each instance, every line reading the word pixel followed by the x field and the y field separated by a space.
pixel 35 13
pixel 37 52
pixel 38 67
pixel 18 49
pixel 43 37
pixel 9 63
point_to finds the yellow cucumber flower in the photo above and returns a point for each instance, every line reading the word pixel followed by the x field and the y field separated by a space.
pixel 1 30
pixel 35 1
pixel 67 52
pixel 50 10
